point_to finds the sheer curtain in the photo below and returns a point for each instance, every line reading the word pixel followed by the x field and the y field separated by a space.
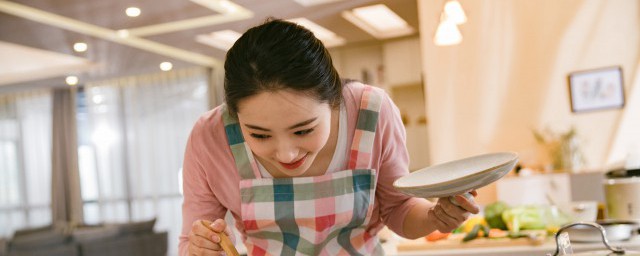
pixel 132 136
pixel 25 160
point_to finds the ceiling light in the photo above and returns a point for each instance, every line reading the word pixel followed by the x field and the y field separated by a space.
pixel 328 38
pixel 133 11
pixel 71 80
pixel 314 2
pixel 220 39
pixel 379 21
pixel 166 66
pixel 80 47
pixel 454 12
pixel 447 34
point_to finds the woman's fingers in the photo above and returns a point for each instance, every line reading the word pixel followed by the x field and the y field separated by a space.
pixel 449 215
pixel 203 239
pixel 467 204
pixel 444 222
pixel 218 226
pixel 194 250
pixel 203 243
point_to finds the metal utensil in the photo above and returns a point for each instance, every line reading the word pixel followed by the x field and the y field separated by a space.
pixel 564 244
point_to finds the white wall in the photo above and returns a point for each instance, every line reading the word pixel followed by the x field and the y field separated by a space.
pixel 508 76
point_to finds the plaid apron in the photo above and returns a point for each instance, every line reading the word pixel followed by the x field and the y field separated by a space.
pixel 320 215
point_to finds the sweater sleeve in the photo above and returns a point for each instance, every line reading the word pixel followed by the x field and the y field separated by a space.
pixel 200 202
pixel 393 164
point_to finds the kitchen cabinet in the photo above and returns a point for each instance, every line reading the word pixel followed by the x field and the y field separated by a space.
pixel 402 62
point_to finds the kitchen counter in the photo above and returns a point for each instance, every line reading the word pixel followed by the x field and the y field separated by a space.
pixel 548 246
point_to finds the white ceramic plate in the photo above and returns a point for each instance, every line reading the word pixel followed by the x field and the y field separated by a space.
pixel 457 177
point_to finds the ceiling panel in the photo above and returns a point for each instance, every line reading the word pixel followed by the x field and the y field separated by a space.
pixel 118 59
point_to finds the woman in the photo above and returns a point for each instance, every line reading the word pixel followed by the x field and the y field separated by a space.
pixel 303 161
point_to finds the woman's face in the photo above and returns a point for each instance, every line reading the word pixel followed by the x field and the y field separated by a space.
pixel 285 129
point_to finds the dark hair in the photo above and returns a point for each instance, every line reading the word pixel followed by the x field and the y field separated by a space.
pixel 280 55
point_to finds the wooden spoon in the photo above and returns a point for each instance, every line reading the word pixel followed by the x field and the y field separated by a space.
pixel 225 242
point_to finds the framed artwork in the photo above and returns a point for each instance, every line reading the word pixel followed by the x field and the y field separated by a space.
pixel 596 89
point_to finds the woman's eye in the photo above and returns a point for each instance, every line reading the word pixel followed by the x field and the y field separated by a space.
pixel 260 136
pixel 304 132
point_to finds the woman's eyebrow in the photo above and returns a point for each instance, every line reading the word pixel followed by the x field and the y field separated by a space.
pixel 303 123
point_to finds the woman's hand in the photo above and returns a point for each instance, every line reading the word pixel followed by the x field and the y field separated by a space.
pixel 446 216
pixel 203 239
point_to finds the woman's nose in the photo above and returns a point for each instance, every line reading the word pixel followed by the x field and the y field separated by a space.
pixel 286 152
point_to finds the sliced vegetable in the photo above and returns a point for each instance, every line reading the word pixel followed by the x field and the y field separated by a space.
pixel 485 231
pixel 473 234
pixel 437 235
pixel 468 225
pixel 498 233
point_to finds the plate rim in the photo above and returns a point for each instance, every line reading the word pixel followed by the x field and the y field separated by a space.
pixel 514 158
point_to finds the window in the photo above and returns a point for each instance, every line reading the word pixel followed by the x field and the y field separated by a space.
pixel 132 135
pixel 25 161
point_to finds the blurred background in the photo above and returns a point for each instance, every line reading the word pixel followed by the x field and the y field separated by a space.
pixel 97 98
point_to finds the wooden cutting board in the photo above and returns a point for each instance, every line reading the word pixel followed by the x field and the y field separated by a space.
pixel 422 244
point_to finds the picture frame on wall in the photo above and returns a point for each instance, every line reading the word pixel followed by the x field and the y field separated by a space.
pixel 596 89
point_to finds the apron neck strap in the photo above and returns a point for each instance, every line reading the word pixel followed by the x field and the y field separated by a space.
pixel 364 136
pixel 242 155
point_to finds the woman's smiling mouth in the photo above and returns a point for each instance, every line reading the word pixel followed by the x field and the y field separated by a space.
pixel 295 164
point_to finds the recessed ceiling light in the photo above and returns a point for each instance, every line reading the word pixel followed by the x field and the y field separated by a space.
pixel 328 38
pixel 80 47
pixel 314 2
pixel 166 66
pixel 71 80
pixel 133 11
pixel 220 39
pixel 379 21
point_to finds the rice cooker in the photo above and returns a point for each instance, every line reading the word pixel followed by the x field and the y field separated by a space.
pixel 622 195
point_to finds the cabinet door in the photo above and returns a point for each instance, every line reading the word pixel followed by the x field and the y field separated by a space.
pixel 402 62
pixel 534 189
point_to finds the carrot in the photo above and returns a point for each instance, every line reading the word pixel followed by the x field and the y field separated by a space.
pixel 497 233
pixel 436 235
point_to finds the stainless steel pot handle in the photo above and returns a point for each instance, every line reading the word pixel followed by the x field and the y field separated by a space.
pixel 617 250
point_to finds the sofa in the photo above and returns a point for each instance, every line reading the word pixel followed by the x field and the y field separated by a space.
pixel 134 238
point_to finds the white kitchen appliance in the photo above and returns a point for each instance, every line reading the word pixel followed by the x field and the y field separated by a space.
pixel 622 194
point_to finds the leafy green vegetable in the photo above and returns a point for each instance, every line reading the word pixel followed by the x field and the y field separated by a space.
pixel 493 215
pixel 524 217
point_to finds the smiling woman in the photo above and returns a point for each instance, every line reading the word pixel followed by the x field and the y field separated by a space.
pixel 297 143
pixel 303 160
